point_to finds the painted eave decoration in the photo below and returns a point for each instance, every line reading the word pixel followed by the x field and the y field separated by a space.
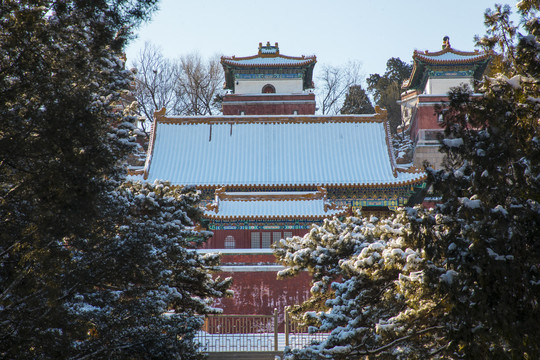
pixel 285 205
pixel 275 151
pixel 268 57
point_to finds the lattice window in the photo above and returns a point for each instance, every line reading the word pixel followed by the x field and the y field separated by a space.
pixel 276 236
pixel 230 243
pixel 266 240
pixel 255 240
pixel 287 234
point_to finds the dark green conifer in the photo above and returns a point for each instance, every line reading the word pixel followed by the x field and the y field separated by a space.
pixel 357 102
pixel 461 280
pixel 386 89
pixel 87 267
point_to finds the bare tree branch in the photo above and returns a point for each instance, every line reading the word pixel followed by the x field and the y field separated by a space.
pixel 186 86
pixel 333 85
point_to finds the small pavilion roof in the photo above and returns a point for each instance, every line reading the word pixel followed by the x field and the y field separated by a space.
pixel 274 151
pixel 268 57
pixel 448 57
pixel 272 205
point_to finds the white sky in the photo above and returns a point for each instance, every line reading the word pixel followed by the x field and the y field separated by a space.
pixel 336 31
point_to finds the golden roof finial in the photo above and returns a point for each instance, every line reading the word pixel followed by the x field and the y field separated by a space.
pixel 446 42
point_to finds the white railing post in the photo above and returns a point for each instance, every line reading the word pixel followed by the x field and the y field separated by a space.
pixel 286 316
pixel 275 330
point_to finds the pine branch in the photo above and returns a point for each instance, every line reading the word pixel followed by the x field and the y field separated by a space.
pixel 395 342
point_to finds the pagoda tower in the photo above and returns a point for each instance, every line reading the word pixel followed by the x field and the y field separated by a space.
pixel 432 77
pixel 269 83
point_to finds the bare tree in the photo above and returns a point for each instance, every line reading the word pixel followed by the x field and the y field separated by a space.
pixel 189 85
pixel 156 84
pixel 199 82
pixel 334 83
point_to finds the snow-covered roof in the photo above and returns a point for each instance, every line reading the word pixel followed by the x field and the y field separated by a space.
pixel 274 151
pixel 268 56
pixel 424 61
pixel 275 61
pixel 272 205
pixel 450 56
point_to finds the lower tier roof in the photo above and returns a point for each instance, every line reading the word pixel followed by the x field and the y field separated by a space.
pixel 272 205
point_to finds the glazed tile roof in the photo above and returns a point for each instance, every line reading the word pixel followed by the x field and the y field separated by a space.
pixel 476 61
pixel 268 56
pixel 273 151
pixel 272 205
pixel 275 61
pixel 450 56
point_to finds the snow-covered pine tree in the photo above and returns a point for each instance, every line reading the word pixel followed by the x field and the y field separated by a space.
pixel 149 288
pixel 81 276
pixel 486 230
pixel 367 291
pixel 461 280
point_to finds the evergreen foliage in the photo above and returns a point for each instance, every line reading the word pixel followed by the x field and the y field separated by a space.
pixel 386 89
pixel 368 290
pixel 461 280
pixel 357 102
pixel 88 266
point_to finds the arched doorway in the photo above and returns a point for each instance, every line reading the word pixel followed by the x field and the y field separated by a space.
pixel 268 89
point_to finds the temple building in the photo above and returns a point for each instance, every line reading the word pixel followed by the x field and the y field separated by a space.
pixel 349 157
pixel 268 169
pixel 269 83
pixel 432 77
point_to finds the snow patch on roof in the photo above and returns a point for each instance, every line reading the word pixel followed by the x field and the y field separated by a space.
pixel 243 153
pixel 278 60
pixel 451 56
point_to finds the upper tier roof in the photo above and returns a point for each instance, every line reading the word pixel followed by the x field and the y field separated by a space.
pixel 268 57
pixel 279 61
pixel 274 151
pixel 449 58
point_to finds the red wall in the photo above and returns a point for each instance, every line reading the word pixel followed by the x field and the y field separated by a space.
pixel 269 104
pixel 259 292
pixel 243 237
pixel 426 117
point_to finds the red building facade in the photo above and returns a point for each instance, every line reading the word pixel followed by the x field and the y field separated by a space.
pixel 269 83
pixel 269 104
pixel 426 94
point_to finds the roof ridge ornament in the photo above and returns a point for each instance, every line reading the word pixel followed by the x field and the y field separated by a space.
pixel 446 42
pixel 268 50
pixel 380 113
pixel 159 113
